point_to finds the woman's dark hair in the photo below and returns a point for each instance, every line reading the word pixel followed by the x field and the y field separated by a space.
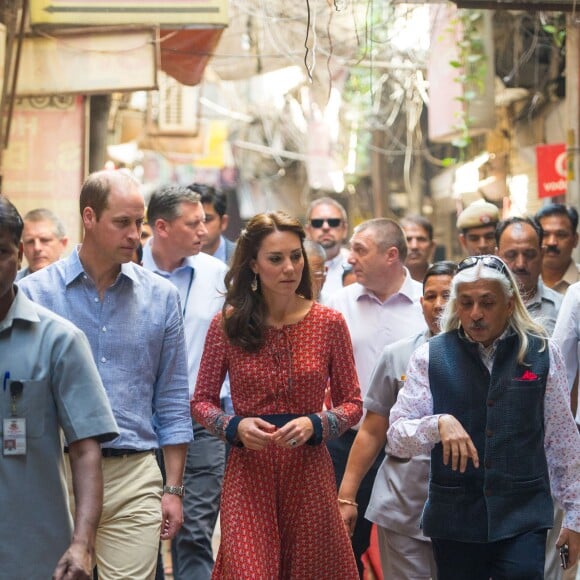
pixel 244 311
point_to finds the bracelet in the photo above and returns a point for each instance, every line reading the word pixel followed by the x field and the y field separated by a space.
pixel 348 502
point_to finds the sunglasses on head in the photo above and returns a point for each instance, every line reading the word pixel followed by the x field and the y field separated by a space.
pixel 332 222
pixel 489 261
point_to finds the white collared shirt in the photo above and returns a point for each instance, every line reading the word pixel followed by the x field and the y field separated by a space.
pixel 374 324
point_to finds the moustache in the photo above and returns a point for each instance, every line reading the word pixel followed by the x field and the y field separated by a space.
pixel 552 250
pixel 478 325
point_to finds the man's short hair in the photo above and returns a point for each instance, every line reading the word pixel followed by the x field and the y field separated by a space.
pixel 42 214
pixel 10 220
pixel 476 215
pixel 559 209
pixel 212 196
pixel 442 268
pixel 165 202
pixel 326 201
pixel 420 221
pixel 387 233
pixel 504 224
pixel 97 187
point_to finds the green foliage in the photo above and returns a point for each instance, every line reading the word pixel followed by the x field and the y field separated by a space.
pixel 556 28
pixel 471 64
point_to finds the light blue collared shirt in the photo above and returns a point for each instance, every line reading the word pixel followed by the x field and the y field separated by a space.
pixel 137 339
pixel 200 283
pixel 220 253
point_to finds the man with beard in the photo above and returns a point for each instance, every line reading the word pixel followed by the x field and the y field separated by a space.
pixel 519 245
pixel 476 225
pixel 327 224
pixel 559 224
pixel 419 233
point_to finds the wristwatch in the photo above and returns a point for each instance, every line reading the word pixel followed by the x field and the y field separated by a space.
pixel 174 489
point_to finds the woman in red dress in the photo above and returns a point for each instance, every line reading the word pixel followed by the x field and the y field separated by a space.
pixel 279 509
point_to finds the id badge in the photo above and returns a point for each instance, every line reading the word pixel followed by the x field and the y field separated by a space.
pixel 14 436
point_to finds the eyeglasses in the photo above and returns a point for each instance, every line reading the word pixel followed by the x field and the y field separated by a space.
pixel 489 261
pixel 332 222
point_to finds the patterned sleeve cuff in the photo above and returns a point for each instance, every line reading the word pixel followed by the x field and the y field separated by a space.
pixel 316 438
pixel 232 431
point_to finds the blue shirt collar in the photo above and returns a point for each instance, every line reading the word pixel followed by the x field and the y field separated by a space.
pixel 74 268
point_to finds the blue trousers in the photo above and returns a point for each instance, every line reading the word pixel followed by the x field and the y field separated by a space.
pixel 517 558
pixel 204 471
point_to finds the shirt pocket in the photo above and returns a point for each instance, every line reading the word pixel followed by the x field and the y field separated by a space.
pixel 30 405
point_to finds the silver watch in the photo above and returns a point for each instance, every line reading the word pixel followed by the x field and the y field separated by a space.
pixel 174 489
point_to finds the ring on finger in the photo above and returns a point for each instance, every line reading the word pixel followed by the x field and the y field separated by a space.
pixel 293 442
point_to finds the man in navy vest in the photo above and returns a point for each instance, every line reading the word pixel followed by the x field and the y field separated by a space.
pixel 488 398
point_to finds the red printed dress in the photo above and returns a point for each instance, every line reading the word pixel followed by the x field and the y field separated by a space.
pixel 279 514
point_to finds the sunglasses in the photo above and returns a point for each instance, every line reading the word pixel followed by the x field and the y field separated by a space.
pixel 489 261
pixel 332 222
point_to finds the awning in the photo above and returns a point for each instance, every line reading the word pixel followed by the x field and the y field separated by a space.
pixel 185 53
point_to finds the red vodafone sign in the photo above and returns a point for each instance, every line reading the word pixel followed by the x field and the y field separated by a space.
pixel 551 167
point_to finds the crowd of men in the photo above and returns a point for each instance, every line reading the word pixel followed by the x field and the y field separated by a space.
pixel 105 345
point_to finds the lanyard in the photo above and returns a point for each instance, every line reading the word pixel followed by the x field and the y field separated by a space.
pixel 191 273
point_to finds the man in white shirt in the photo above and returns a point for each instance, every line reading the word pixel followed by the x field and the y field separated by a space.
pixel 567 335
pixel 327 224
pixel 177 218
pixel 380 308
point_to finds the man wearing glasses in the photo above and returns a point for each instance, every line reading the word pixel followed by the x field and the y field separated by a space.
pixel 326 223
pixel 488 399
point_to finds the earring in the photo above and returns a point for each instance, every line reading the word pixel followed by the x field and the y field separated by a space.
pixel 254 284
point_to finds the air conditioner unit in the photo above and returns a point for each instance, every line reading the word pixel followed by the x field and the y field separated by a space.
pixel 174 109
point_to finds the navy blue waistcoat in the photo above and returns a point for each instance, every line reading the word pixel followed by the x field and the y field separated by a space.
pixel 509 493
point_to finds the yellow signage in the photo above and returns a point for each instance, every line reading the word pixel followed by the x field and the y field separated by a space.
pixel 170 13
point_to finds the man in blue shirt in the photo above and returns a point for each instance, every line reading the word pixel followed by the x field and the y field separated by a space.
pixel 50 386
pixel 177 217
pixel 114 301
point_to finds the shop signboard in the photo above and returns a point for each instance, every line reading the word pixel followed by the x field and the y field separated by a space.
pixel 551 169
pixel 44 164
pixel 172 13
pixel 81 62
